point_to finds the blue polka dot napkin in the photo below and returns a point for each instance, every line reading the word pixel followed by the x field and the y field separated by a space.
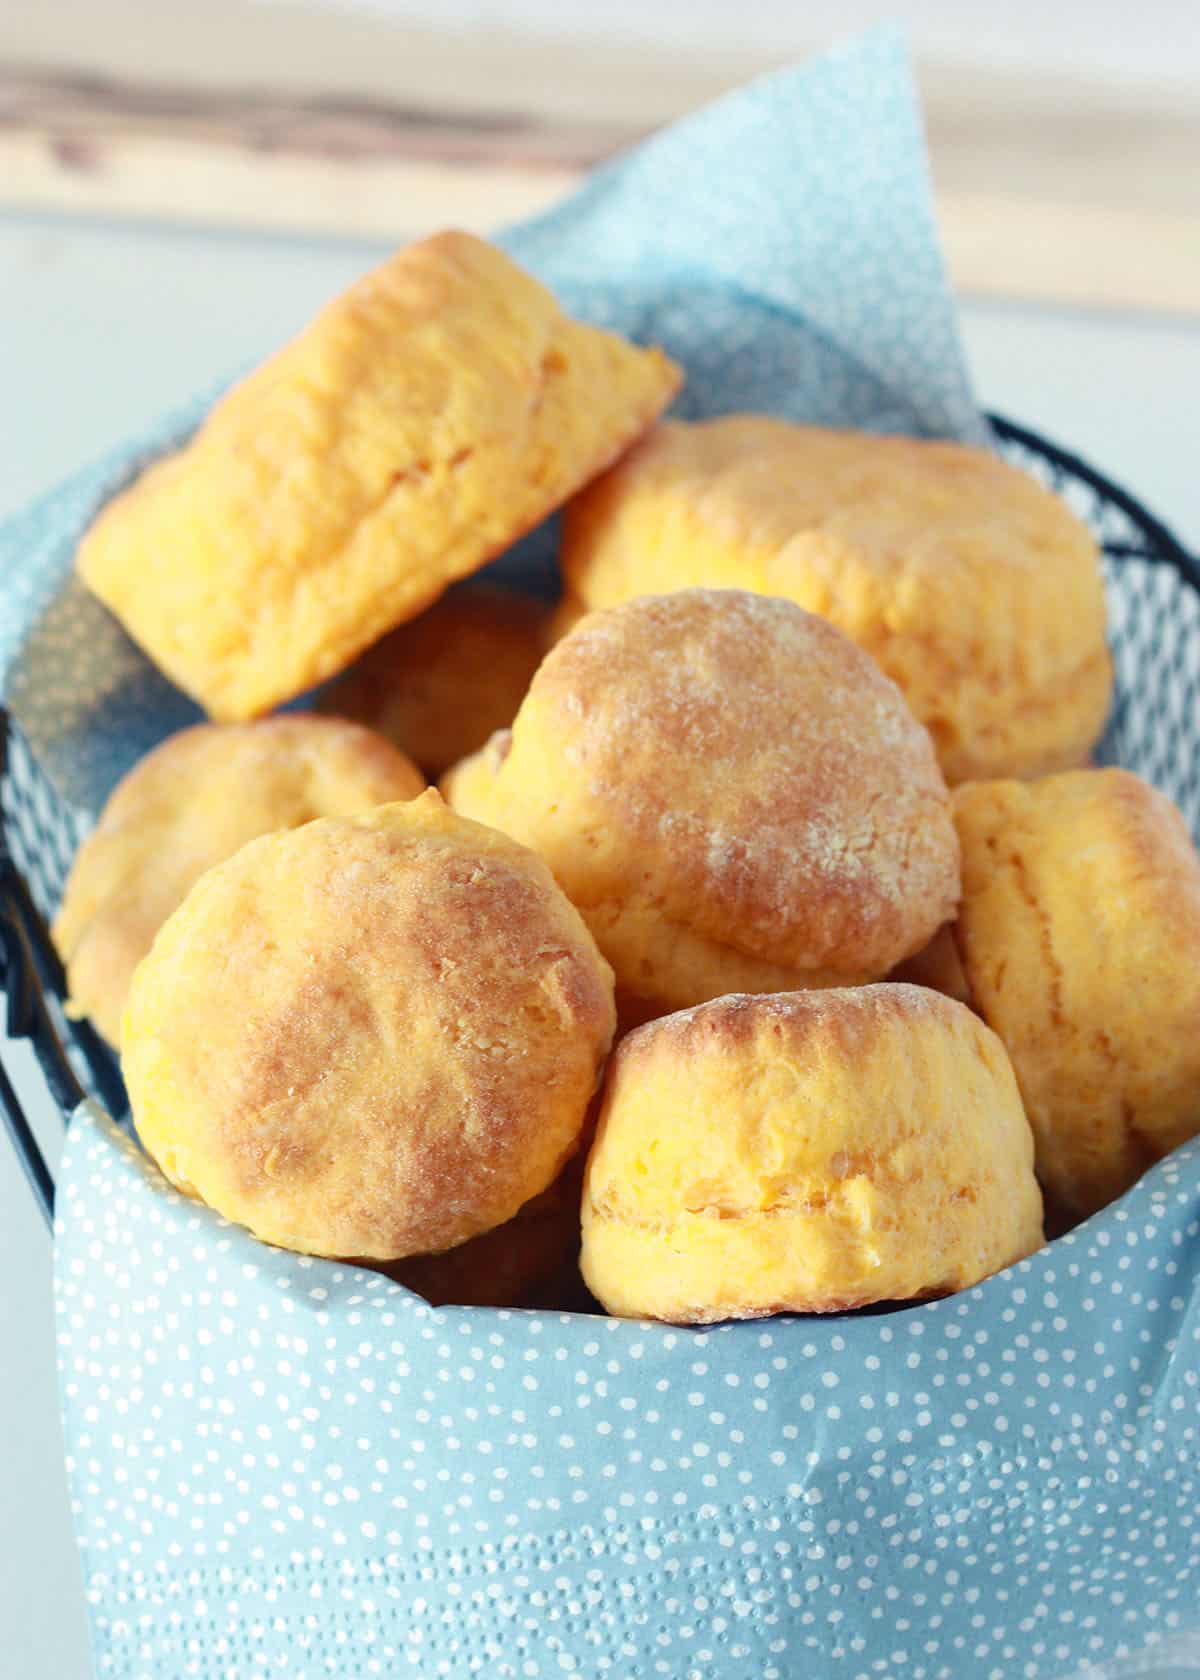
pixel 285 1467
pixel 281 1466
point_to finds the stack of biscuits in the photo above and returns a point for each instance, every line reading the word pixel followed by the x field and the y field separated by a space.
pixel 789 799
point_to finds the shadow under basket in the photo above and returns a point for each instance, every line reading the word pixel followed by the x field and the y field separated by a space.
pixel 282 1465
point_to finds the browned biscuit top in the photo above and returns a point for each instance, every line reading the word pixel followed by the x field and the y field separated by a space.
pixel 742 764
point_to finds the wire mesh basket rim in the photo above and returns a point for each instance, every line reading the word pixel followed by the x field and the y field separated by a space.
pixel 1162 543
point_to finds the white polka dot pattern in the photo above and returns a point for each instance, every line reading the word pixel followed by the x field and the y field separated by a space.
pixel 283 1466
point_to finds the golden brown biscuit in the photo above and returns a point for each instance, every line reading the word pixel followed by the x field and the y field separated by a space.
pixel 978 592
pixel 470 785
pixel 807 1152
pixel 1080 936
pixel 531 1260
pixel 733 794
pixel 440 408
pixel 440 685
pixel 191 803
pixel 375 1037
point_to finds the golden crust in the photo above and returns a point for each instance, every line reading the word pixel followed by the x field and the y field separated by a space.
pixel 1080 936
pixel 731 792
pixel 429 416
pixel 808 1152
pixel 440 685
pixel 978 592
pixel 189 804
pixel 375 1037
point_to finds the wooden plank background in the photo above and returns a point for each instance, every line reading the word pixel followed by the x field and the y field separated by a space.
pixel 327 123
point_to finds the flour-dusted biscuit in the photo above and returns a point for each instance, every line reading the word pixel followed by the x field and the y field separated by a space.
pixel 442 684
pixel 1080 937
pixel 978 592
pixel 429 416
pixel 191 803
pixel 369 1038
pixel 733 794
pixel 808 1152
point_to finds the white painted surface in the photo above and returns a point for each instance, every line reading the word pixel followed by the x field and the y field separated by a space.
pixel 105 326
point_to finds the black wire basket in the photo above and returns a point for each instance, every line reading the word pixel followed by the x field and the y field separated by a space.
pixel 1153 589
pixel 426 1509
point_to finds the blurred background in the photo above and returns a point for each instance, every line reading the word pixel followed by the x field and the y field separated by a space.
pixel 184 182
pixel 1065 135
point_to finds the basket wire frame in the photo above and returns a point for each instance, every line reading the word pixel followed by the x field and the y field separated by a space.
pixel 1152 619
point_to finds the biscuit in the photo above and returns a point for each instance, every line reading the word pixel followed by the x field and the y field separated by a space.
pixel 937 966
pixel 441 685
pixel 978 592
pixel 371 1038
pixel 469 785
pixel 528 1261
pixel 191 803
pixel 426 419
pixel 808 1152
pixel 733 794
pixel 1080 937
